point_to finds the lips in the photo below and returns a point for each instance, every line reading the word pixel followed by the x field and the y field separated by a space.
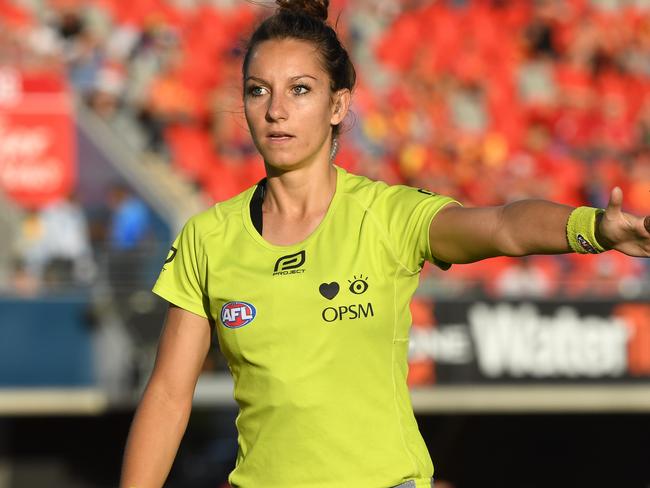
pixel 279 136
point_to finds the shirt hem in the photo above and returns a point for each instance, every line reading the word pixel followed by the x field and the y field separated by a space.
pixel 419 483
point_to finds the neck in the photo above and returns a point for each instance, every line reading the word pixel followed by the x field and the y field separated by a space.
pixel 300 192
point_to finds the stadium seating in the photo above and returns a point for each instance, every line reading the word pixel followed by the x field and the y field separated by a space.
pixel 483 100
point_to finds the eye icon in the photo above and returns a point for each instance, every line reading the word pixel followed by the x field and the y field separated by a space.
pixel 359 285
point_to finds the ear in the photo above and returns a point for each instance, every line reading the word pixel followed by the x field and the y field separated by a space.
pixel 340 106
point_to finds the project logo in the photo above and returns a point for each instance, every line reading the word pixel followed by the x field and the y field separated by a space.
pixel 288 265
pixel 235 315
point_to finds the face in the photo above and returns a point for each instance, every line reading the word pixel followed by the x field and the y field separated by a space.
pixel 289 106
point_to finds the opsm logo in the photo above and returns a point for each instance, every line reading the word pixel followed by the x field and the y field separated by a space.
pixel 235 315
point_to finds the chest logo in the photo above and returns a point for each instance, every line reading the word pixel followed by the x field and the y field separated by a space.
pixel 235 315
pixel 291 264
pixel 359 285
pixel 329 290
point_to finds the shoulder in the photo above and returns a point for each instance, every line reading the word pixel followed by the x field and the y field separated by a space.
pixel 361 188
pixel 372 194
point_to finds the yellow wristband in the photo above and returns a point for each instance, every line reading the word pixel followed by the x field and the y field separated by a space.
pixel 581 230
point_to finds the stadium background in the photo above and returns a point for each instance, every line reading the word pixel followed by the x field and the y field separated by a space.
pixel 120 119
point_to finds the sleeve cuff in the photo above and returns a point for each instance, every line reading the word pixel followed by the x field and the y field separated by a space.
pixel 180 301
pixel 438 262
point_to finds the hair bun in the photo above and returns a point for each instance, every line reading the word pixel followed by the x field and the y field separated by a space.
pixel 312 8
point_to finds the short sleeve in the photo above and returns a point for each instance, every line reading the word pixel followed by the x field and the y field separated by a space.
pixel 407 213
pixel 182 280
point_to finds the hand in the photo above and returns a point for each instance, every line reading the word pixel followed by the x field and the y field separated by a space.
pixel 622 231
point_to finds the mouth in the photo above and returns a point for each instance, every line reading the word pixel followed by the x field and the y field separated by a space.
pixel 279 136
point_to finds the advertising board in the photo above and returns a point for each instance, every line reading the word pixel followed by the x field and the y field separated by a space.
pixel 37 142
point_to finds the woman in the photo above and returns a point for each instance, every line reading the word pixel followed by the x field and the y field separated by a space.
pixel 306 280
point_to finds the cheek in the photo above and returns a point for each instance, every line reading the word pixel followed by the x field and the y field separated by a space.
pixel 316 120
pixel 254 117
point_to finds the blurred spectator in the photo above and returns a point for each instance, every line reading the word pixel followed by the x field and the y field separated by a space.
pixel 130 220
pixel 129 235
pixel 106 100
pixel 85 59
pixel 31 245
pixel 23 283
pixel 527 277
pixel 68 243
pixel 608 275
pixel 53 246
pixel 170 100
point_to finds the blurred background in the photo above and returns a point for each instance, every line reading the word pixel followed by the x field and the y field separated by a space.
pixel 120 119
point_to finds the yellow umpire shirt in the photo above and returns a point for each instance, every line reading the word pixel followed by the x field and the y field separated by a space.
pixel 315 334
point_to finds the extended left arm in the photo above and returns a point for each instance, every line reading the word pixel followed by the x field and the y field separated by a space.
pixel 464 235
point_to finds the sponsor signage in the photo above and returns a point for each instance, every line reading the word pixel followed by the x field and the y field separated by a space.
pixel 544 342
pixel 37 145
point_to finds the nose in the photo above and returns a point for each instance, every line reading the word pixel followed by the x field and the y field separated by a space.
pixel 276 109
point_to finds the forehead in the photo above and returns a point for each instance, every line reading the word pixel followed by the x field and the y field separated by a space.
pixel 285 58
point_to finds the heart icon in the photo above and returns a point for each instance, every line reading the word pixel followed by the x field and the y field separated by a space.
pixel 329 290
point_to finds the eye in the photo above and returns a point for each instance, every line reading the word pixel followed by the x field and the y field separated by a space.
pixel 359 285
pixel 256 91
pixel 300 90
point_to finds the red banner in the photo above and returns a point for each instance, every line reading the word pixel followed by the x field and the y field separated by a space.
pixel 37 142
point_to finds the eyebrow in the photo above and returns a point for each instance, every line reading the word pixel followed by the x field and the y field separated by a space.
pixel 293 78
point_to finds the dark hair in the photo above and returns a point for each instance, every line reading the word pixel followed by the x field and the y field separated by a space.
pixel 306 20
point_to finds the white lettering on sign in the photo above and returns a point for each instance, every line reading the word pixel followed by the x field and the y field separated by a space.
pixel 520 341
pixel 10 86
pixel 25 164
pixel 449 344
pixel 23 143
pixel 42 175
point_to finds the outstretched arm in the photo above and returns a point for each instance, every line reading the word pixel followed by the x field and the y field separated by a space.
pixel 464 235
pixel 161 418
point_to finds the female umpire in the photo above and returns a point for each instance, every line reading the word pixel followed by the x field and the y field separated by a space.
pixel 306 278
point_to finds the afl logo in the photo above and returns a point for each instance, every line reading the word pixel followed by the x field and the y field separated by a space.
pixel 237 314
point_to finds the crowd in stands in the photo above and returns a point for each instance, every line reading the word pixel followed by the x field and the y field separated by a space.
pixel 541 99
pixel 488 101
pixel 56 247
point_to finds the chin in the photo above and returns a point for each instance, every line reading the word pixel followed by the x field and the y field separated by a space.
pixel 274 167
pixel 284 162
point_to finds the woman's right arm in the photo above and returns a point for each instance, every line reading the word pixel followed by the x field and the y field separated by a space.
pixel 161 417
